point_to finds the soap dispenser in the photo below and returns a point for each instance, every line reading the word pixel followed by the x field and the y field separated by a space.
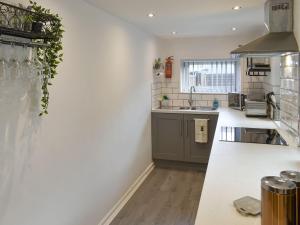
pixel 215 104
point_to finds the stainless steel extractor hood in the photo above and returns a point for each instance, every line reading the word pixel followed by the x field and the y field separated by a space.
pixel 280 39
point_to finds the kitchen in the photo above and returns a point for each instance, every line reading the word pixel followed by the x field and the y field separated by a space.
pixel 118 118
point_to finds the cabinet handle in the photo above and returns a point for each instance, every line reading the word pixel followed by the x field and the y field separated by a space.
pixel 187 128
pixel 181 128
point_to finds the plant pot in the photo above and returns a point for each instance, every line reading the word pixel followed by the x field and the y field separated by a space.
pixel 158 72
pixel 37 27
pixel 165 104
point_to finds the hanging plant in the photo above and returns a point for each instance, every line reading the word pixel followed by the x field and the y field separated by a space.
pixel 51 56
pixel 158 66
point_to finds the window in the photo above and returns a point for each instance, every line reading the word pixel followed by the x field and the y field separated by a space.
pixel 210 76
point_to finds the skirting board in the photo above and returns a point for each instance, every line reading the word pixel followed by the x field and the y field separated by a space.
pixel 125 198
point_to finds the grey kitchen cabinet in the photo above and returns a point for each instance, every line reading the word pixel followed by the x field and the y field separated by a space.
pixel 173 137
pixel 198 152
pixel 167 136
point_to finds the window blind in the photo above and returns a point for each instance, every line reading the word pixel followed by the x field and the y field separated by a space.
pixel 210 76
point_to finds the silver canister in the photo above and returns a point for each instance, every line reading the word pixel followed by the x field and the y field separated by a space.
pixel 278 201
pixel 294 176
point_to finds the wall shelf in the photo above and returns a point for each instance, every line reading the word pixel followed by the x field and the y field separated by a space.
pixel 20 22
pixel 257 69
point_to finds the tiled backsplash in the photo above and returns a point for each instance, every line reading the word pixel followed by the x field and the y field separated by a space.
pixel 272 88
pixel 289 92
pixel 156 90
pixel 272 82
pixel 252 86
pixel 172 90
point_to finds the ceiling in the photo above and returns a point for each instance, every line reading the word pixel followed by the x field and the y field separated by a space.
pixel 190 18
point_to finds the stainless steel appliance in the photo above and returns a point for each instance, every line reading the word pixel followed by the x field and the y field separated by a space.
pixel 252 135
pixel 273 108
pixel 256 108
pixel 294 176
pixel 281 38
pixel 236 101
pixel 278 201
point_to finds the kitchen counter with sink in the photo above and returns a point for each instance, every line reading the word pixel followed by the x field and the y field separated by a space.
pixel 235 169
pixel 188 110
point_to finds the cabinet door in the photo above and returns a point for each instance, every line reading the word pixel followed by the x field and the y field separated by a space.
pixel 167 136
pixel 198 152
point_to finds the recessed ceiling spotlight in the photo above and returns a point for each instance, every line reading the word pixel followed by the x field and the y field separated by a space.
pixel 174 32
pixel 234 29
pixel 151 15
pixel 237 7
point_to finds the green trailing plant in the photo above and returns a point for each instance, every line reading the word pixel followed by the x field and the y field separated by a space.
pixel 158 64
pixel 52 55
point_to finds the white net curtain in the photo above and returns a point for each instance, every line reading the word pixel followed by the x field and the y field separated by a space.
pixel 20 94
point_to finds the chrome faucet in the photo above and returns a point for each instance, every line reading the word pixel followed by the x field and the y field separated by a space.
pixel 191 96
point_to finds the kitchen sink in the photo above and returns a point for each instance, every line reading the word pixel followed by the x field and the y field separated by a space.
pixel 200 108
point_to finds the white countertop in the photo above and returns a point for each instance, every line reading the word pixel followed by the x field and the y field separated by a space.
pixel 235 170
pixel 187 111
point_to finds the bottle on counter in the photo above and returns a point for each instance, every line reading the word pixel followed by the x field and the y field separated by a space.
pixel 215 104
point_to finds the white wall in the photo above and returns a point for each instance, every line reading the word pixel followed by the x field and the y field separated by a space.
pixel 297 19
pixel 202 48
pixel 96 140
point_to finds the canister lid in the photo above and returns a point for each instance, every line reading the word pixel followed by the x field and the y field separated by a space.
pixel 292 176
pixel 278 185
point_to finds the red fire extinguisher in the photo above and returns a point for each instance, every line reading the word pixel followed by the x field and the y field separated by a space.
pixel 168 67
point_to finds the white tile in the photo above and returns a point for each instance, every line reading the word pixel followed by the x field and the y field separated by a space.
pixel 183 96
pixel 178 103
pixel 251 85
pixel 221 97
pixel 197 103
pixel 208 97
pixel 167 90
pixel 258 85
pixel 224 103
pixel 203 103
pixel 173 96
pixel 175 85
pixel 175 90
pixel 186 103
pixel 164 85
pixel 197 97
pixel 246 85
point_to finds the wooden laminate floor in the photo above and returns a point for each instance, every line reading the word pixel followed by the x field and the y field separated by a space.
pixel 167 197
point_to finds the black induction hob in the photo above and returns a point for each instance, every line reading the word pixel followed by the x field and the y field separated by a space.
pixel 252 135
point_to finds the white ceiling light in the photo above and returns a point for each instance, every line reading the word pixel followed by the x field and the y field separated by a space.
pixel 151 15
pixel 184 18
pixel 237 7
pixel 234 29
